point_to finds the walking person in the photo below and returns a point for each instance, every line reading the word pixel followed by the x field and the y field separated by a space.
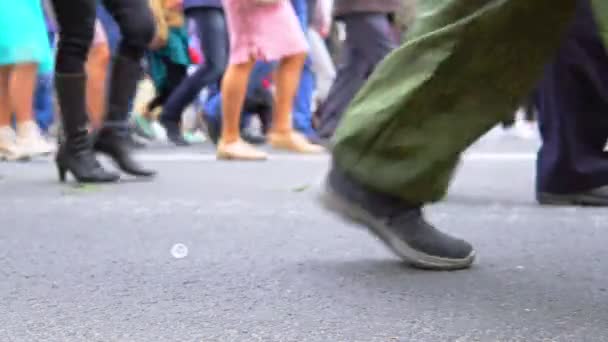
pixel 269 31
pixel 572 167
pixel 208 15
pixel 466 66
pixel 76 20
pixel 369 39
pixel 24 53
pixel 168 59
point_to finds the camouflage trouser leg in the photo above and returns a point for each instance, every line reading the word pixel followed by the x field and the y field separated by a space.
pixel 466 66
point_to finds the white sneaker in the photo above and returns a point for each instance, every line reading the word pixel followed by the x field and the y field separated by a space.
pixel 30 140
pixel 9 150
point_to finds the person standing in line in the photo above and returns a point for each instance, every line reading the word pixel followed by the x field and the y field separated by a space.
pixel 76 21
pixel 269 31
pixel 368 41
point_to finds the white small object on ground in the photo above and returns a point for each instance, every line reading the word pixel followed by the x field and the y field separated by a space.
pixel 179 251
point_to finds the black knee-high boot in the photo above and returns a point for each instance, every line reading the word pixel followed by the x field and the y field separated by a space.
pixel 75 151
pixel 112 139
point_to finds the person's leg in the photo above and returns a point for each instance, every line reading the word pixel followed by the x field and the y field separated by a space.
pixel 234 88
pixel 175 73
pixel 213 34
pixel 282 135
pixel 302 114
pixel 22 84
pixel 5 100
pixel 467 66
pixel 76 21
pixel 572 165
pixel 367 43
pixel 9 150
pixel 21 87
pixel 322 65
pixel 97 65
pixel 43 102
pixel 213 107
pixel 137 28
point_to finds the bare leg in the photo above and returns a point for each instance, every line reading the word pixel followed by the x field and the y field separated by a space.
pixel 287 78
pixel 5 106
pixel 234 87
pixel 8 146
pixel 97 69
pixel 21 88
pixel 282 135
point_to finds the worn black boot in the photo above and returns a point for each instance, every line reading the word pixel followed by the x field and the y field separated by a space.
pixel 401 226
pixel 75 152
pixel 113 138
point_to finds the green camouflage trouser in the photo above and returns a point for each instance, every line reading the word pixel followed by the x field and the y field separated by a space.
pixel 466 66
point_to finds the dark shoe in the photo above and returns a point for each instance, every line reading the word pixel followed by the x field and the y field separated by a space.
pixel 116 143
pixel 213 128
pixel 81 163
pixel 75 152
pixel 596 197
pixel 114 138
pixel 314 138
pixel 174 133
pixel 402 227
pixel 252 137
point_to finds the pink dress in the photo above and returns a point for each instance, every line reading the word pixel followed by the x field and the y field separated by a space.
pixel 263 32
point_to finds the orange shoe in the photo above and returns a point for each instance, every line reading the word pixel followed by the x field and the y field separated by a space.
pixel 294 142
pixel 239 150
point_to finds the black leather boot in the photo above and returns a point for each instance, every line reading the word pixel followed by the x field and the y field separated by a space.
pixel 113 138
pixel 75 152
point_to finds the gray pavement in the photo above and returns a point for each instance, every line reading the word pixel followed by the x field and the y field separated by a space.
pixel 266 264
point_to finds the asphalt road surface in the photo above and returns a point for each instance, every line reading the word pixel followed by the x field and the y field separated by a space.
pixel 265 263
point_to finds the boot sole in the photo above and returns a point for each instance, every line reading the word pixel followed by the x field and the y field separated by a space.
pixel 571 200
pixel 354 214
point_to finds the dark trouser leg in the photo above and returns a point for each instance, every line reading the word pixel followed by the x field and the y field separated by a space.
pixel 137 27
pixel 176 73
pixel 367 43
pixel 76 19
pixel 213 35
pixel 573 115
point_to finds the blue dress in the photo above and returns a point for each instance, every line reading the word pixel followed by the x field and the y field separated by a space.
pixel 23 34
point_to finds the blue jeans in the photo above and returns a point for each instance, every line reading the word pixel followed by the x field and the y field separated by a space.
pixel 43 97
pixel 302 115
pixel 213 35
pixel 43 102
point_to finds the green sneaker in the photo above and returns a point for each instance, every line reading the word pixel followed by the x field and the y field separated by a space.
pixel 194 137
pixel 143 127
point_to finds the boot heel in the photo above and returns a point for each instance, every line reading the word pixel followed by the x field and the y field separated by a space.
pixel 62 171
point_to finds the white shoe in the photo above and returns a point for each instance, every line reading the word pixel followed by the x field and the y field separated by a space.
pixel 30 140
pixel 9 150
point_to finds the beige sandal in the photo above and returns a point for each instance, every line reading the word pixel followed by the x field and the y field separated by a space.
pixel 239 150
pixel 294 142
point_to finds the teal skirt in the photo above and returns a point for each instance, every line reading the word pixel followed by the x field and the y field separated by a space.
pixel 23 34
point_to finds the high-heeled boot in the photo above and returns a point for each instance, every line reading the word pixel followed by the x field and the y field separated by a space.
pixel 113 137
pixel 75 154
